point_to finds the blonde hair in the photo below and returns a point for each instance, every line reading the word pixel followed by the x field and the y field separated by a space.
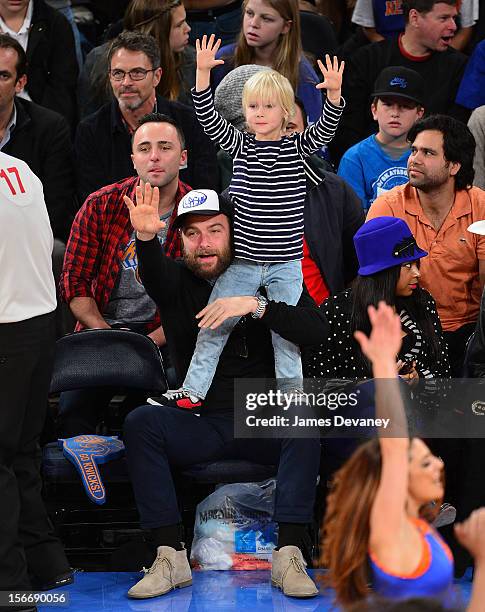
pixel 269 85
pixel 288 53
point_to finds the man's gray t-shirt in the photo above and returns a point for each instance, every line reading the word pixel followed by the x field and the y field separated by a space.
pixel 129 303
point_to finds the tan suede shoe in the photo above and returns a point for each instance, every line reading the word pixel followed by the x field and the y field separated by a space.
pixel 288 573
pixel 170 570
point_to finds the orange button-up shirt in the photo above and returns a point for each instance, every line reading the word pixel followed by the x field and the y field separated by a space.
pixel 450 272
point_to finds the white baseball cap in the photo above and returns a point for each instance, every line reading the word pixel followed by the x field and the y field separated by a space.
pixel 203 202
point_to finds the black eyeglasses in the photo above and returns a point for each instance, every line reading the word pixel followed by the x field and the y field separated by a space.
pixel 137 74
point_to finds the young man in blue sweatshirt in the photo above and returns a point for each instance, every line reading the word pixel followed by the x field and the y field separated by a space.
pixel 379 163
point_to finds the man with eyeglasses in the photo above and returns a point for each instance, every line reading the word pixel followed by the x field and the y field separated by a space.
pixel 103 140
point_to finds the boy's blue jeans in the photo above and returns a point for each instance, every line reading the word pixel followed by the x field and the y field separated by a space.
pixel 283 283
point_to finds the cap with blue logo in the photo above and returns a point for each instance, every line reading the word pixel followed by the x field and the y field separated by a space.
pixel 400 82
pixel 203 202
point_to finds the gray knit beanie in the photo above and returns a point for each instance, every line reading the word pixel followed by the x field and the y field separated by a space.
pixel 228 95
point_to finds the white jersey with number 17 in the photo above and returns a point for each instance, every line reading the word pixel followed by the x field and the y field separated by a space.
pixel 27 286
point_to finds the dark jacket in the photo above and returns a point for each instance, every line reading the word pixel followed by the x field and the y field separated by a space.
pixel 339 356
pixel 103 148
pixel 41 138
pixel 52 66
pixel 248 352
pixel 442 72
pixel 333 214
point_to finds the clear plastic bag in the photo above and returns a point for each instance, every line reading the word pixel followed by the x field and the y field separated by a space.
pixel 234 528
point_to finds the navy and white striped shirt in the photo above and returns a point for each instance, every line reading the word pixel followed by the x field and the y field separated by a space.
pixel 268 184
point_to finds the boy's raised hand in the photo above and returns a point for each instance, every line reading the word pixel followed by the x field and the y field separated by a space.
pixel 206 52
pixel 332 78
pixel 206 60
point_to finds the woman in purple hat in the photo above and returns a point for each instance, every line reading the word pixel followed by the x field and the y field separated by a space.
pixel 389 271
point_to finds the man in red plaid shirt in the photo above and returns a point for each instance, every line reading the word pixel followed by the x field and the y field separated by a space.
pixel 99 280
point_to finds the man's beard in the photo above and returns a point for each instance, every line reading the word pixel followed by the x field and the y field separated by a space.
pixel 167 178
pixel 132 105
pixel 427 183
pixel 194 264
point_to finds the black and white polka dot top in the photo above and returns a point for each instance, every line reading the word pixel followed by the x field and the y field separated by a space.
pixel 339 357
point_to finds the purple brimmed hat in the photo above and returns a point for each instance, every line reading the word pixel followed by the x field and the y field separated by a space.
pixel 385 242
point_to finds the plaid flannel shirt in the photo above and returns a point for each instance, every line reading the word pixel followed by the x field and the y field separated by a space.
pixel 99 233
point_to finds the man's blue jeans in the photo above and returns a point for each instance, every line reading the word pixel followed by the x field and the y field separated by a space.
pixel 283 283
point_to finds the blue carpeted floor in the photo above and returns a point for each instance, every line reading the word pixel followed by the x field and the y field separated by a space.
pixel 210 592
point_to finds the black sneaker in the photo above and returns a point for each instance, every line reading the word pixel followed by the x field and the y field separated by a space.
pixel 177 398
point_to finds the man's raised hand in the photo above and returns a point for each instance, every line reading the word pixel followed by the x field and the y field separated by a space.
pixel 144 215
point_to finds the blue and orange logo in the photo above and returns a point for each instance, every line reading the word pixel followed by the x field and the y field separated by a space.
pixel 86 453
pixel 129 260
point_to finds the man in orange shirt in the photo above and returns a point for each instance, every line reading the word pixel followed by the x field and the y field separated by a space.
pixel 438 203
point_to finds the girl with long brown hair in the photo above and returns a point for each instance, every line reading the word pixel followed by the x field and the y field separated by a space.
pixel 165 20
pixel 374 533
pixel 271 36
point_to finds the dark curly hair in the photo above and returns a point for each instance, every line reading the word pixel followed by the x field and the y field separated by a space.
pixel 458 144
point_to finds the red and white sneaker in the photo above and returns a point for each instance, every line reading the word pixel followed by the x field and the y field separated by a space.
pixel 176 398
